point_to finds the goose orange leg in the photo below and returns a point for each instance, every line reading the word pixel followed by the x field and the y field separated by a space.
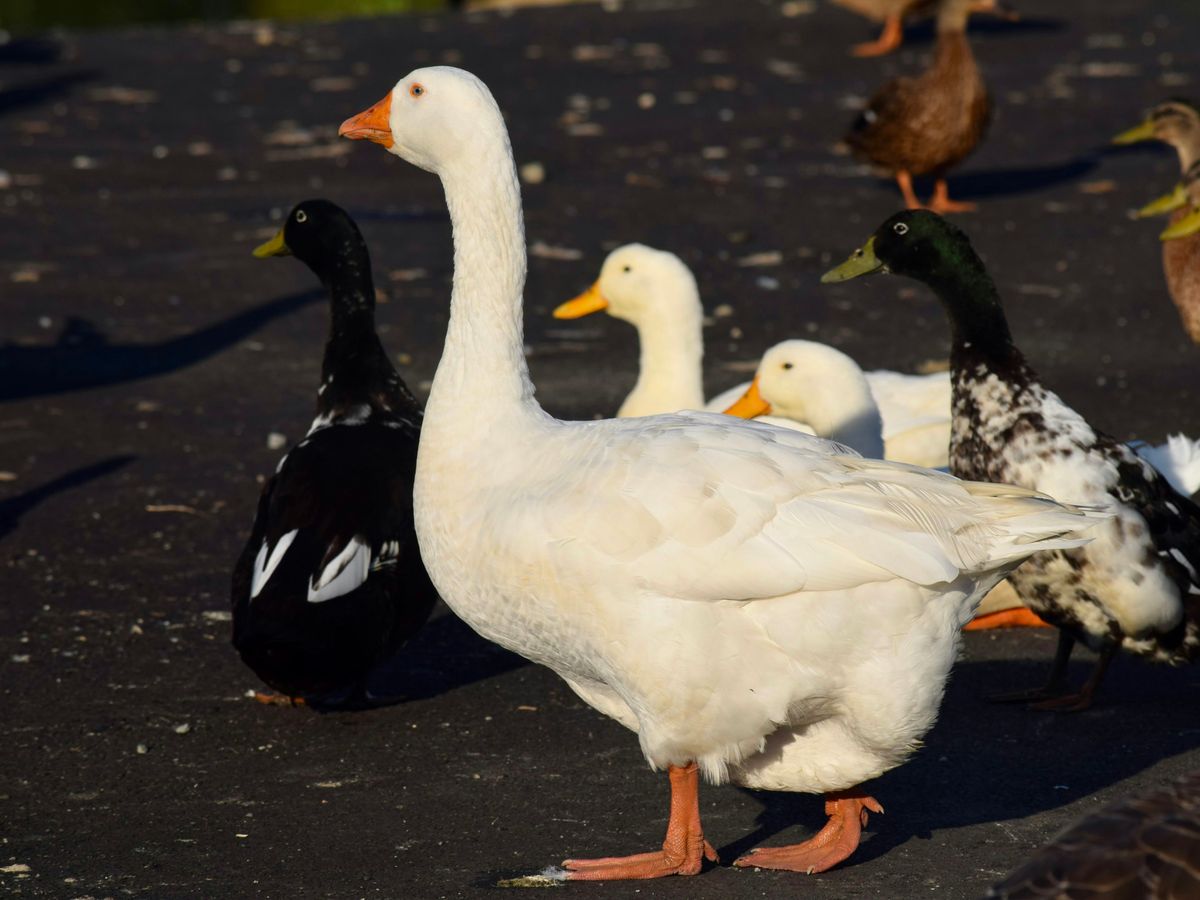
pixel 889 39
pixel 942 204
pixel 910 198
pixel 847 811
pixel 683 851
pixel 1017 617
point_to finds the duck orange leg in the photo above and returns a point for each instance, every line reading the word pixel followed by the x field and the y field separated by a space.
pixel 910 198
pixel 1017 617
pixel 942 204
pixel 683 851
pixel 273 699
pixel 847 811
pixel 888 40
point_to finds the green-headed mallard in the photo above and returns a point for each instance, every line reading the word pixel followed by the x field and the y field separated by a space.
pixel 1137 585
pixel 331 582
pixel 928 124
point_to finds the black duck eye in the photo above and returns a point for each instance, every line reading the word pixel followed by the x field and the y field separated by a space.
pixel 787 365
pixel 301 216
pixel 900 228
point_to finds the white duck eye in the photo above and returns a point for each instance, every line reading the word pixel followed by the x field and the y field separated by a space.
pixel 301 216
pixel 900 228
pixel 788 365
pixel 627 269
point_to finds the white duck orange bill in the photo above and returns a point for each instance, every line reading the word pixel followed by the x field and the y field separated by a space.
pixel 751 404
pixel 585 304
pixel 373 124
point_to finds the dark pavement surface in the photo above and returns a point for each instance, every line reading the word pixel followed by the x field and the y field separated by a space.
pixel 145 358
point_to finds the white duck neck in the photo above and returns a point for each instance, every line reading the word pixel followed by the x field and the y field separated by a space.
pixel 670 375
pixel 482 375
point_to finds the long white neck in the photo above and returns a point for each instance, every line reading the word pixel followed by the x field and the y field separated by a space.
pixel 670 376
pixel 482 376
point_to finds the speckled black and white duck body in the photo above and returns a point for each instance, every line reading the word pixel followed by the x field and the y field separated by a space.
pixel 1136 587
pixel 331 582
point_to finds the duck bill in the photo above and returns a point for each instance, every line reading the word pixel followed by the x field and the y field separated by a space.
pixel 862 262
pixel 1186 226
pixel 373 124
pixel 751 404
pixel 585 304
pixel 1165 204
pixel 274 247
pixel 1143 132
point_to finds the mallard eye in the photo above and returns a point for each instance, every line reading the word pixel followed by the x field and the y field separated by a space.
pixel 301 216
pixel 416 90
pixel 900 228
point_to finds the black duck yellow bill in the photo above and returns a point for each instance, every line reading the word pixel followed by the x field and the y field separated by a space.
pixel 1143 132
pixel 862 262
pixel 276 246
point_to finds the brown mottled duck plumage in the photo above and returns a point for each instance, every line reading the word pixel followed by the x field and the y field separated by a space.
pixel 928 124
pixel 1181 261
pixel 1143 848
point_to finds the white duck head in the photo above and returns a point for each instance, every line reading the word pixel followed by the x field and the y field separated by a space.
pixel 817 384
pixel 655 292
pixel 434 118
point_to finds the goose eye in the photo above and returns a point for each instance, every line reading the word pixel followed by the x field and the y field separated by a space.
pixel 787 365
pixel 301 216
pixel 416 89
pixel 900 228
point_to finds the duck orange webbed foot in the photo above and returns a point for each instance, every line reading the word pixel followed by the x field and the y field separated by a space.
pixel 835 842
pixel 1019 617
pixel 683 851
pixel 1066 703
pixel 273 699
pixel 941 203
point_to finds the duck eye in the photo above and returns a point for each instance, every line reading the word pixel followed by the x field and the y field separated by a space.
pixel 627 269
pixel 416 89
pixel 900 228
pixel 301 216
pixel 788 365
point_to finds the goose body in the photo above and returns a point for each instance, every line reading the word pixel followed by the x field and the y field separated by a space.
pixel 757 604
pixel 1136 587
pixel 656 292
pixel 928 124
pixel 331 583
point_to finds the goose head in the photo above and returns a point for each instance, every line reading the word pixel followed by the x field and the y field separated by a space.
pixel 433 118
pixel 639 284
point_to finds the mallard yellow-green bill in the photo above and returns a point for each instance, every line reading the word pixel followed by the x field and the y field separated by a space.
pixel 862 262
pixel 1168 203
pixel 1188 225
pixel 274 247
pixel 1143 132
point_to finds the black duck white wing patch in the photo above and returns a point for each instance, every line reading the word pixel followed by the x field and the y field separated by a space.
pixel 342 574
pixel 268 561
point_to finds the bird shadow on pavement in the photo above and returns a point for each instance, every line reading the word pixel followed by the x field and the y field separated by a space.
pixel 12 508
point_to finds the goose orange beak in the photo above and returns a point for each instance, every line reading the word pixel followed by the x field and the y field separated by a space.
pixel 372 124
pixel 751 404
pixel 585 304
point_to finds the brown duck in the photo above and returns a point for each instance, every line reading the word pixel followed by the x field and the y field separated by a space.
pixel 928 124
pixel 893 13
pixel 1147 846
pixel 1177 122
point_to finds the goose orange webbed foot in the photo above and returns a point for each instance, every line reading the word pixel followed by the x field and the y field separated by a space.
pixel 683 851
pixel 834 843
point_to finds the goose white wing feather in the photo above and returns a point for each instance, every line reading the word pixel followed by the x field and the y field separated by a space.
pixel 696 507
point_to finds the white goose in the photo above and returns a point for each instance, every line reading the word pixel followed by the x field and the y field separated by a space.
pixel 656 292
pixel 757 604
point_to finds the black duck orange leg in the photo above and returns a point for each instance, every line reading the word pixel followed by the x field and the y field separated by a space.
pixel 683 851
pixel 272 699
pixel 1055 687
pixel 1018 617
pixel 1081 700
pixel 889 39
pixel 942 204
pixel 905 181
pixel 847 811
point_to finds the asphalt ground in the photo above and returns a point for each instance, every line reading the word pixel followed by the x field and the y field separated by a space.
pixel 147 358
